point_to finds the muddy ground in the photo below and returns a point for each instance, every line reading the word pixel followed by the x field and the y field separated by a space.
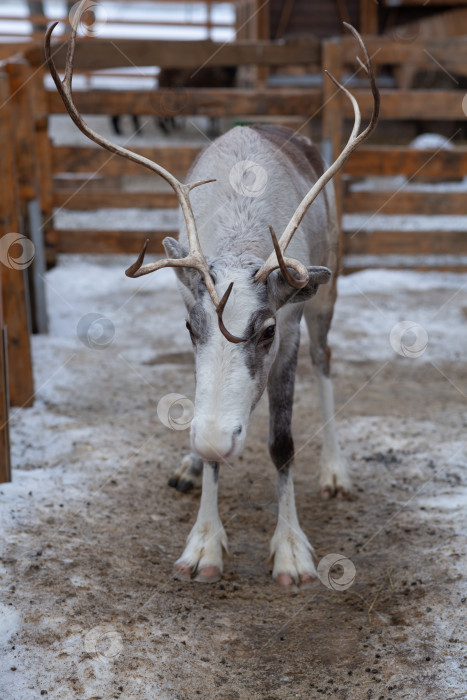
pixel 91 607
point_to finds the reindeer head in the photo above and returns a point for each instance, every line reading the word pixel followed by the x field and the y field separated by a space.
pixel 231 375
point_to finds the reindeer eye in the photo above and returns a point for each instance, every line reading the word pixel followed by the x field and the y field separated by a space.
pixel 268 333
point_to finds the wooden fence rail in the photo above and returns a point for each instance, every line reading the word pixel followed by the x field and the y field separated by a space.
pixel 182 54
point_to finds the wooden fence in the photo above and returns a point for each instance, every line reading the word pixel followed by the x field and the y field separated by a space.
pixel 96 178
pixel 99 176
pixel 367 245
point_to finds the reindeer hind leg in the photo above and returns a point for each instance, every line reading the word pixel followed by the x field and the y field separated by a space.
pixel 334 479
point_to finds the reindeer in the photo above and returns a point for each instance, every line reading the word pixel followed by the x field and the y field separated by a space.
pixel 244 310
pixel 207 76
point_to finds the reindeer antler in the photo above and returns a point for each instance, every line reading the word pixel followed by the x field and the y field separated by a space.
pixel 195 258
pixel 277 259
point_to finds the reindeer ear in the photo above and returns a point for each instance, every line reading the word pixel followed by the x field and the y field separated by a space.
pixel 188 277
pixel 280 292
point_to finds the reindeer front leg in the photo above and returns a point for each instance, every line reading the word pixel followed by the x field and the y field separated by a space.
pixel 290 549
pixel 203 552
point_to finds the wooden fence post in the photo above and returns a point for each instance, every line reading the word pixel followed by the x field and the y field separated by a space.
pixel 44 160
pixel 332 122
pixel 14 256
pixel 5 458
pixel 28 188
pixel 5 462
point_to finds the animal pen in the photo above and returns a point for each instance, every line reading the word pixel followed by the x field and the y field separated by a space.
pixel 46 182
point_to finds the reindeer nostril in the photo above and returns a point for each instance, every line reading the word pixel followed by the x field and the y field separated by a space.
pixel 237 430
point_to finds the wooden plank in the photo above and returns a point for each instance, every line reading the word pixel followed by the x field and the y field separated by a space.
pixel 40 320
pixel 74 182
pixel 88 159
pixel 375 243
pixel 9 49
pixel 422 3
pixel 98 200
pixel 449 51
pixel 332 122
pixel 44 160
pixel 27 177
pixel 385 202
pixel 14 281
pixel 211 102
pixel 391 160
pixel 21 104
pixel 219 102
pixel 92 241
pixel 410 104
pixel 113 53
pixel 368 17
pixel 349 268
pixel 391 202
pixel 405 243
pixel 5 460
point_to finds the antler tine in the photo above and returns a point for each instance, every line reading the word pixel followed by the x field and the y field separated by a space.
pixel 135 269
pixel 354 141
pixel 194 260
pixel 284 263
pixel 368 68
pixel 220 310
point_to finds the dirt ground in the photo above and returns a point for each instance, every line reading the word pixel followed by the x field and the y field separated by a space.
pixel 90 605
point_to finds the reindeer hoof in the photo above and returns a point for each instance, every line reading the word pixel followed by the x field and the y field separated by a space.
pixel 185 485
pixel 202 557
pixel 328 492
pixel 183 571
pixel 343 494
pixel 208 574
pixel 188 475
pixel 285 580
pixel 307 580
